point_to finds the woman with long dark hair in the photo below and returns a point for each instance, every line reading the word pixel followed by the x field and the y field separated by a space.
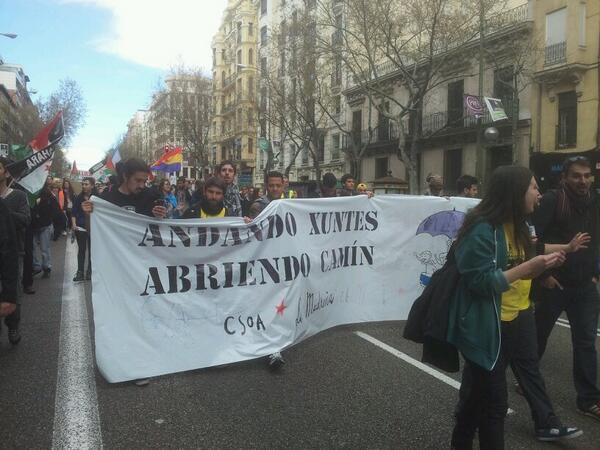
pixel 80 226
pixel 491 320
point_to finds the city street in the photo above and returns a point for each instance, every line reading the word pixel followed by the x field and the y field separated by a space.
pixel 350 387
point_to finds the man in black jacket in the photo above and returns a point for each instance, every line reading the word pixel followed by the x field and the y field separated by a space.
pixel 572 287
pixel 16 202
pixel 9 272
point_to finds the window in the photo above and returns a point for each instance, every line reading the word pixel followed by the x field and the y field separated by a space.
pixel 556 24
pixel 250 57
pixel 214 56
pixel 503 82
pixel 567 120
pixel 335 146
pixel 556 37
pixel 263 67
pixel 336 74
pixel 250 117
pixel 263 7
pixel 250 29
pixel 452 169
pixel 337 104
pixel 185 172
pixel 383 127
pixel 263 36
pixel 251 87
pixel 239 59
pixel 263 128
pixel 239 32
pixel 381 167
pixel 223 56
pixel 321 148
pixel 250 146
pixel 263 98
pixel 455 103
pixel 356 126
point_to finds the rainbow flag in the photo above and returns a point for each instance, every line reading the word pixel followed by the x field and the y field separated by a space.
pixel 169 162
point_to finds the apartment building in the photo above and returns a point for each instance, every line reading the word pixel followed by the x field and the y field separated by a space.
pixel 234 128
pixel 447 132
pixel 565 105
pixel 18 116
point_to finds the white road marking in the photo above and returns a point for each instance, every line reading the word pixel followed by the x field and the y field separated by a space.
pixel 418 364
pixel 76 417
pixel 565 323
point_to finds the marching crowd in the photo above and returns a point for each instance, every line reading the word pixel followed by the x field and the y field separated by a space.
pixel 520 260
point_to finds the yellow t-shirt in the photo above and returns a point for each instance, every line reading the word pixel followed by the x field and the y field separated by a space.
pixel 204 215
pixel 517 297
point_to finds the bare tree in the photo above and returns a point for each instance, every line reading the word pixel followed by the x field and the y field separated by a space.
pixel 190 104
pixel 395 52
pixel 68 98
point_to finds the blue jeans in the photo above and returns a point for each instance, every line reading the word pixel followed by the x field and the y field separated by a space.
pixel 582 305
pixel 42 238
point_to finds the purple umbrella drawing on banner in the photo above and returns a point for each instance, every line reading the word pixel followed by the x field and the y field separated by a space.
pixel 443 223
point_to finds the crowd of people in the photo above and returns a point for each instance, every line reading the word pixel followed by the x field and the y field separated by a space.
pixel 522 259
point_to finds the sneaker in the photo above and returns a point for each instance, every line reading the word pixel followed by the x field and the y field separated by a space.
pixel 46 273
pixel 142 382
pixel 78 277
pixel 14 337
pixel 556 434
pixel 88 275
pixel 64 233
pixel 276 361
pixel 37 272
pixel 592 411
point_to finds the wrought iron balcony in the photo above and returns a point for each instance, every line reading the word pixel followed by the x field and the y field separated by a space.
pixel 556 54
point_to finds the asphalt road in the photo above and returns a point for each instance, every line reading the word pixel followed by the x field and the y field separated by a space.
pixel 337 390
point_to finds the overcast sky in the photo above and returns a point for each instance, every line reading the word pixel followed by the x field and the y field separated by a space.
pixel 117 50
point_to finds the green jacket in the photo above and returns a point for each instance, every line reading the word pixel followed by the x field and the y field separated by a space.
pixel 474 316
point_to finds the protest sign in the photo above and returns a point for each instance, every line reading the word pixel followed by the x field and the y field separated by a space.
pixel 175 295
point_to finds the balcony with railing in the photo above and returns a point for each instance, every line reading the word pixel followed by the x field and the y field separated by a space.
pixel 555 54
pixel 453 120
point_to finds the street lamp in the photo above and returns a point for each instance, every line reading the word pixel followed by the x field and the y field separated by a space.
pixel 9 35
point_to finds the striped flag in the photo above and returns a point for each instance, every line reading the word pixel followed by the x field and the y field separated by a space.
pixel 171 161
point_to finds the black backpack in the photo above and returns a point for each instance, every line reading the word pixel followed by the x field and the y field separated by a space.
pixel 427 321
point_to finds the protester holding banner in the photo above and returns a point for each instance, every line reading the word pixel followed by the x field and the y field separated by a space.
pixel 233 201
pixel 44 212
pixel 212 204
pixel 490 317
pixel 131 192
pixel 347 189
pixel 80 227
pixel 16 201
pixel 9 272
pixel 275 186
pixel 328 186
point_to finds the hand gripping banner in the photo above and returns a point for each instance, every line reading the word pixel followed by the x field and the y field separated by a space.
pixel 176 295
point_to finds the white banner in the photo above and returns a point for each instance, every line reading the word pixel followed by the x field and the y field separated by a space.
pixel 175 295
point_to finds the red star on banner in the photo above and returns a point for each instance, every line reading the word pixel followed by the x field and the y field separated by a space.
pixel 281 307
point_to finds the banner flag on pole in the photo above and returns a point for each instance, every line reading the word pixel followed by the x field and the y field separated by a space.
pixel 98 166
pixel 31 173
pixel 171 161
pixel 50 134
pixel 495 108
pixel 473 106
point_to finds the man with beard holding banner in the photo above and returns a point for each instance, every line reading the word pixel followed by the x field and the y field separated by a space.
pixel 212 204
pixel 131 194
